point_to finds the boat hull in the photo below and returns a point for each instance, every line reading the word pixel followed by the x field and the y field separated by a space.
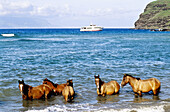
pixel 91 30
pixel 7 35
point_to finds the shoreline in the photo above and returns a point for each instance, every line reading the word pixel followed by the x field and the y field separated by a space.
pixel 61 28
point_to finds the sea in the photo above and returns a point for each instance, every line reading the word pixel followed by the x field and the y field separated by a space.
pixel 61 54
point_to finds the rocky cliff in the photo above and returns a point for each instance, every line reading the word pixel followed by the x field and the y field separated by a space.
pixel 155 16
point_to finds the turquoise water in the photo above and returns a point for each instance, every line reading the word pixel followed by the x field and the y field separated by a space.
pixel 61 54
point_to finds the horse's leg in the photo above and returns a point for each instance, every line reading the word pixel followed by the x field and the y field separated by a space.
pixel 156 92
pixel 140 93
pixel 66 98
pixel 103 91
pixel 45 95
pixel 103 94
pixel 117 91
pixel 48 92
pixel 136 94
pixel 72 97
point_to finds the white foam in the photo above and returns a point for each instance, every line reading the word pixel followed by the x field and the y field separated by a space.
pixel 140 109
pixel 62 108
pixel 46 39
pixel 87 107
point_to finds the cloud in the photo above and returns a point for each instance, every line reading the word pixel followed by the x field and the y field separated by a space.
pixel 12 8
pixel 20 14
pixel 99 12
pixel 25 8
pixel 66 12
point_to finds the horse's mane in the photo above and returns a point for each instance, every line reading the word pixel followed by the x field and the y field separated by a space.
pixel 55 85
pixel 132 76
pixel 99 79
pixel 27 88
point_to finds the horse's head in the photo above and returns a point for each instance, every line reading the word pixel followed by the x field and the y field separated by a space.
pixel 21 86
pixel 46 81
pixel 97 81
pixel 70 83
pixel 125 80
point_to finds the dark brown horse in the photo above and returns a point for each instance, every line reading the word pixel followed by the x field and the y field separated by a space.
pixel 142 86
pixel 109 88
pixel 57 88
pixel 68 91
pixel 39 92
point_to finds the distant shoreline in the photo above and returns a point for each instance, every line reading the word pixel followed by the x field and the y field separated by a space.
pixel 61 28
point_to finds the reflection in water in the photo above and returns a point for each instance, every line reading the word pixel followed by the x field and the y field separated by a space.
pixel 108 98
pixel 141 99
pixel 38 104
pixel 35 103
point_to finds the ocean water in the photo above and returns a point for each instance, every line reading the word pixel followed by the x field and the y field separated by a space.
pixel 61 54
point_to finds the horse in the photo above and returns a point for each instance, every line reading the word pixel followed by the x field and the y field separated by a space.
pixel 68 91
pixel 57 88
pixel 142 86
pixel 104 89
pixel 39 92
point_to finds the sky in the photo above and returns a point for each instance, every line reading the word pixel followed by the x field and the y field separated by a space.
pixel 70 13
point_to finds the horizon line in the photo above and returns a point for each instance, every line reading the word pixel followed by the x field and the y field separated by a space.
pixel 60 27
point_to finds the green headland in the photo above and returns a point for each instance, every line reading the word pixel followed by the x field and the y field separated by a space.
pixel 156 15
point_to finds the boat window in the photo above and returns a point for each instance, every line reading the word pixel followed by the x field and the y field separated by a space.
pixel 89 27
pixel 97 27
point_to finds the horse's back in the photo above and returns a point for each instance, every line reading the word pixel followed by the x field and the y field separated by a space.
pixel 60 88
pixel 43 88
pixel 153 81
pixel 112 87
pixel 115 83
pixel 149 84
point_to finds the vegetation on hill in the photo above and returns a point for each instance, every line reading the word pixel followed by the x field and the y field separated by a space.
pixel 156 15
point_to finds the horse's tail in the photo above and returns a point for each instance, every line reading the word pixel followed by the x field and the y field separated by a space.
pixel 159 88
pixel 157 85
pixel 48 91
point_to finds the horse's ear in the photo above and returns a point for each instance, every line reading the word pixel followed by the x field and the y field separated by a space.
pixel 95 76
pixel 20 82
pixel 125 74
pixel 98 76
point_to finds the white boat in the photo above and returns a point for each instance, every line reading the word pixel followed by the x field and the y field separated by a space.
pixel 91 28
pixel 8 35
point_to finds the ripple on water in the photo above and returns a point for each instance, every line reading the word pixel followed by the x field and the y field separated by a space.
pixel 70 54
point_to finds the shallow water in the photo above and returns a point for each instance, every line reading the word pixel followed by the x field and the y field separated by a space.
pixel 61 54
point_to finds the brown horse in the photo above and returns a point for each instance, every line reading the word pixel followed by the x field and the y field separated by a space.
pixel 68 91
pixel 57 88
pixel 140 86
pixel 38 92
pixel 109 88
